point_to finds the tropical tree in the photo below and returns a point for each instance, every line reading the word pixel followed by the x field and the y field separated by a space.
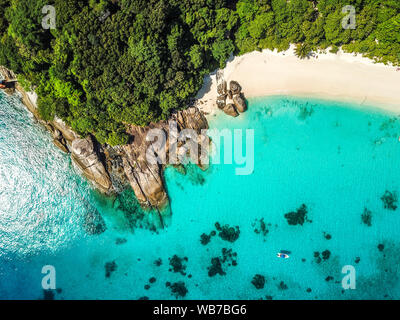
pixel 302 50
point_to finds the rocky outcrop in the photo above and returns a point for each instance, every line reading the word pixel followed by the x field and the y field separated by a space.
pixel 230 101
pixel 221 88
pixel 111 169
pixel 221 102
pixel 115 167
pixel 240 103
pixel 59 141
pixel 68 134
pixel 62 134
pixel 146 178
pixel 85 155
pixel 235 87
pixel 230 110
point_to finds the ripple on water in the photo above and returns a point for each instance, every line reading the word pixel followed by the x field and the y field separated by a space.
pixel 38 186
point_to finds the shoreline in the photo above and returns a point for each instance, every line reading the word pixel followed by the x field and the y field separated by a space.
pixel 260 74
pixel 342 77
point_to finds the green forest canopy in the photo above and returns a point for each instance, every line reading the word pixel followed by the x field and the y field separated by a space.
pixel 110 63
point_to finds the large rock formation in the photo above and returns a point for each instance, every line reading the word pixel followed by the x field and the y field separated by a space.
pixel 65 130
pixel 62 134
pixel 230 110
pixel 239 102
pixel 87 157
pixel 110 169
pixel 230 101
pixel 235 87
pixel 221 88
pixel 146 178
pixel 221 101
pixel 86 153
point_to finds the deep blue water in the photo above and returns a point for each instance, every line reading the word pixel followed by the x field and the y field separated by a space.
pixel 334 158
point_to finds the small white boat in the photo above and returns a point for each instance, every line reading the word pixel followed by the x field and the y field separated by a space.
pixel 283 254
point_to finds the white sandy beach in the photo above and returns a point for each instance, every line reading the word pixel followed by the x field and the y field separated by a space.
pixel 341 76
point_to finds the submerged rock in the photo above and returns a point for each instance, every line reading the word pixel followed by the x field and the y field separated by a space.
pixel 178 264
pixel 260 227
pixel 48 295
pixel 327 236
pixel 178 289
pixel 205 239
pixel 326 254
pixel 158 262
pixel 146 178
pixel 86 155
pixel 119 241
pixel 110 267
pixel 319 257
pixel 152 280
pixel 258 281
pixel 228 257
pixel 282 286
pixel 305 111
pixel 366 217
pixel 228 233
pixel 94 223
pixel 297 217
pixel 135 215
pixel 216 267
pixel 389 200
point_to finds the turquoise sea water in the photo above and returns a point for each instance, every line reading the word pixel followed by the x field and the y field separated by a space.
pixel 335 158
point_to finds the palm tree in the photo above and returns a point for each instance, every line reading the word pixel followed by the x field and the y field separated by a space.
pixel 302 50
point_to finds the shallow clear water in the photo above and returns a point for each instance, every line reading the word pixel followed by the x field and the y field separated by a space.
pixel 332 157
